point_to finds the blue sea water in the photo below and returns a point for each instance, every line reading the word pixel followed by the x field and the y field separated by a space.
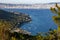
pixel 41 20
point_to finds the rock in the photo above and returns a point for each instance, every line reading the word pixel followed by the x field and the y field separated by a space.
pixel 19 30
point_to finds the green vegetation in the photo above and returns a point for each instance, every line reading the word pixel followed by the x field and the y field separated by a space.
pixel 9 21
pixel 51 35
pixel 7 25
pixel 56 18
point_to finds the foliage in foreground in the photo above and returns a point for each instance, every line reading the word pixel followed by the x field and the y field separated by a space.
pixel 51 35
pixel 56 18
pixel 7 35
pixel 9 21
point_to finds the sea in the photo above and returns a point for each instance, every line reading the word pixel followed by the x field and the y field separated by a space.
pixel 41 20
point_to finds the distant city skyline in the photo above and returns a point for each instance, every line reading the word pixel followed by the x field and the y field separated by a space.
pixel 27 1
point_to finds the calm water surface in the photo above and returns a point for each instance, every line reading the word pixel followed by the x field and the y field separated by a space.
pixel 41 20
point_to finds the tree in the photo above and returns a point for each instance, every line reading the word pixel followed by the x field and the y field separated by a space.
pixel 56 18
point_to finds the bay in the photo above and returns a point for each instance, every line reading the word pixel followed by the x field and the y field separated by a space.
pixel 41 20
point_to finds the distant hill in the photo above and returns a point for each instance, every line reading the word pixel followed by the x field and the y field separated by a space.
pixel 54 3
pixel 28 6
pixel 15 4
pixel 48 3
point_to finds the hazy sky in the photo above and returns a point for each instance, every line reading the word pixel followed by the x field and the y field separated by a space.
pixel 28 1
